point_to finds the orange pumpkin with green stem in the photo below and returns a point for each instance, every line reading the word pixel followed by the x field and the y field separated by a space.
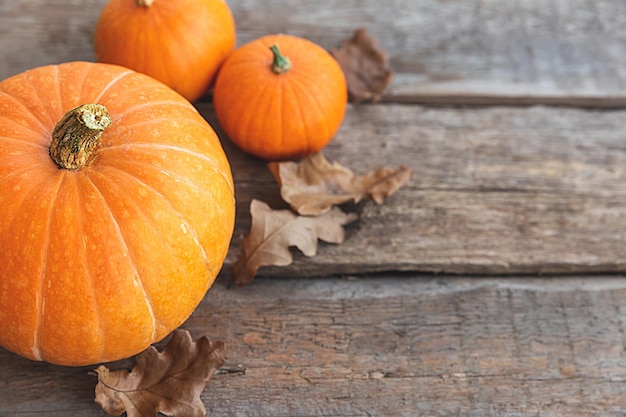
pixel 117 209
pixel 280 97
pixel 181 43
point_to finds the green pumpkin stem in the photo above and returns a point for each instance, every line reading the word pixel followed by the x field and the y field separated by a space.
pixel 281 63
pixel 77 134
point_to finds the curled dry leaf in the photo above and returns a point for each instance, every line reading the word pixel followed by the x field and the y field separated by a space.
pixel 273 232
pixel 313 185
pixel 169 382
pixel 365 65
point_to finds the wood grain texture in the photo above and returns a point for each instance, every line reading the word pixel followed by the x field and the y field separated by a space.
pixel 387 347
pixel 473 51
pixel 494 191
pixel 567 52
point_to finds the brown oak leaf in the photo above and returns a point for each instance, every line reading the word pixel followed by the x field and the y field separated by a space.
pixel 169 382
pixel 313 185
pixel 365 65
pixel 273 232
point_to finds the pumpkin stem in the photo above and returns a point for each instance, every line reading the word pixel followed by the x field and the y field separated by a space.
pixel 76 135
pixel 281 63
pixel 144 3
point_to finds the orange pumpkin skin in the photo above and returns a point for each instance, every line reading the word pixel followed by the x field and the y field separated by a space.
pixel 99 262
pixel 181 43
pixel 280 116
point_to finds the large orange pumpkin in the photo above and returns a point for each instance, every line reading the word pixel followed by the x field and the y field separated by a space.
pixel 181 43
pixel 114 224
pixel 280 97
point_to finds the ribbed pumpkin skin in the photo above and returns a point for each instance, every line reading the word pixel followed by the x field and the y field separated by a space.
pixel 181 43
pixel 98 263
pixel 280 116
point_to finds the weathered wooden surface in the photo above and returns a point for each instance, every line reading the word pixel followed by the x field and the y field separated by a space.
pixel 388 347
pixel 493 191
pixel 468 51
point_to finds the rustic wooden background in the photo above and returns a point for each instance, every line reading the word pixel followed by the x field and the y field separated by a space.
pixel 491 285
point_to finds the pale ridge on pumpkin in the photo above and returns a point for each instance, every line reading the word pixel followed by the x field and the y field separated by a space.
pixel 120 115
pixel 111 84
pixel 82 81
pixel 185 226
pixel 57 88
pixel 247 127
pixel 26 109
pixel 20 141
pixel 212 163
pixel 149 122
pixel 41 296
pixel 132 262
pixel 304 89
pixel 92 280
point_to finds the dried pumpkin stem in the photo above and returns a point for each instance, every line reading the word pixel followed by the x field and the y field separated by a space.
pixel 144 3
pixel 76 135
pixel 281 63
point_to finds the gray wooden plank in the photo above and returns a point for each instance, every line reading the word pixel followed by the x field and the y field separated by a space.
pixel 387 346
pixel 567 52
pixel 494 191
pixel 473 51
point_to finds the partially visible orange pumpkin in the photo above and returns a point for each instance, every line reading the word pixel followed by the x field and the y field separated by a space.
pixel 181 43
pixel 109 238
pixel 280 97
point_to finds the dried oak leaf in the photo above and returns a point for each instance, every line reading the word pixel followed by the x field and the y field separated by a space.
pixel 169 382
pixel 273 232
pixel 365 65
pixel 313 185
